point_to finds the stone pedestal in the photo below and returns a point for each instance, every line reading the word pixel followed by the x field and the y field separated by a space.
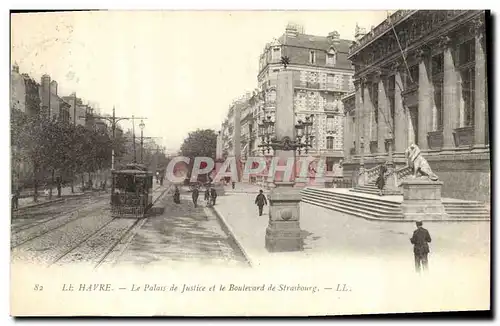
pixel 283 232
pixel 422 200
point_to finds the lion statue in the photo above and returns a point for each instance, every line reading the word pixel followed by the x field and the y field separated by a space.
pixel 418 163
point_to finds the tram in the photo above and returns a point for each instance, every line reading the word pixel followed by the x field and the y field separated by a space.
pixel 131 192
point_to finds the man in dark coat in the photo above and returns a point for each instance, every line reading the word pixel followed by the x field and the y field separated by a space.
pixel 261 200
pixel 195 195
pixel 177 195
pixel 380 182
pixel 420 241
pixel 213 195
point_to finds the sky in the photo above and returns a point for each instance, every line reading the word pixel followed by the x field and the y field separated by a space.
pixel 180 69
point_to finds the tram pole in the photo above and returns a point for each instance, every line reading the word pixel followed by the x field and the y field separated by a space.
pixel 114 120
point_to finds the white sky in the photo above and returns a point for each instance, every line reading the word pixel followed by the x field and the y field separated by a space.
pixel 179 69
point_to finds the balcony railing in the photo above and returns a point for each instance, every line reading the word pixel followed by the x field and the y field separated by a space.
pixel 320 86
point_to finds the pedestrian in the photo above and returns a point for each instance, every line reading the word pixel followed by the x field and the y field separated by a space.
pixel 213 194
pixel 207 197
pixel 15 199
pixel 420 241
pixel 177 195
pixel 233 184
pixel 261 200
pixel 380 182
pixel 195 195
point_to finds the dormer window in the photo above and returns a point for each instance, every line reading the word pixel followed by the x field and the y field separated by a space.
pixel 276 54
pixel 331 57
pixel 312 57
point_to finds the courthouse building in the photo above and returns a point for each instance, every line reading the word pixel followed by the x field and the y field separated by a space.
pixel 420 77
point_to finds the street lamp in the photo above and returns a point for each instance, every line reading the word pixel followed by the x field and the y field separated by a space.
pixel 142 125
pixel 303 136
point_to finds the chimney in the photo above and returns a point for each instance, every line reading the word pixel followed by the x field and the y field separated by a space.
pixel 334 37
pixel 292 30
pixel 45 93
pixel 15 67
pixel 53 87
pixel 359 33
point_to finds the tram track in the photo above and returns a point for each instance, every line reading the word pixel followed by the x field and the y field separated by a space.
pixel 23 227
pixel 90 238
pixel 69 219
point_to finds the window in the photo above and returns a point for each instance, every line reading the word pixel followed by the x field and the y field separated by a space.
pixel 438 82
pixel 330 124
pixel 331 58
pixel 411 79
pixel 466 66
pixel 330 161
pixel 312 57
pixel 329 142
pixel 374 98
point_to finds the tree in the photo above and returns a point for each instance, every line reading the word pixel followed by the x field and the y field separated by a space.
pixel 202 142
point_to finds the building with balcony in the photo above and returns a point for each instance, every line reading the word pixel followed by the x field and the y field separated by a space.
pixel 432 94
pixel 322 75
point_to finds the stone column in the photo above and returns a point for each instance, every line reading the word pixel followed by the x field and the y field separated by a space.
pixel 283 231
pixel 358 126
pixel 384 113
pixel 480 90
pixel 424 100
pixel 400 120
pixel 347 134
pixel 367 116
pixel 450 105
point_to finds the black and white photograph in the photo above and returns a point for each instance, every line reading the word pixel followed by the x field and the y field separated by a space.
pixel 249 163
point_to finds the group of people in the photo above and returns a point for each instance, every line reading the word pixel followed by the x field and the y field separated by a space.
pixel 210 196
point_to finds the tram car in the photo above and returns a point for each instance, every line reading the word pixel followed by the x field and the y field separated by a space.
pixel 132 191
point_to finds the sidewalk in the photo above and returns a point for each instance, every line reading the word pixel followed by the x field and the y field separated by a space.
pixel 334 236
pixel 243 187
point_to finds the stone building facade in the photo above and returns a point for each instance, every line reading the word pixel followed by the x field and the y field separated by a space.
pixel 322 75
pixel 432 94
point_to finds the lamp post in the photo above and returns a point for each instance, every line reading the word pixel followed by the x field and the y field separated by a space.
pixel 142 125
pixel 285 138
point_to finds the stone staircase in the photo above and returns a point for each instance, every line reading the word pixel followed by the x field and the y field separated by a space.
pixel 350 203
pixel 371 177
pixel 466 209
pixel 365 206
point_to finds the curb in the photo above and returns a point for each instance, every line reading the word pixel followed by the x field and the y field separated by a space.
pixel 227 228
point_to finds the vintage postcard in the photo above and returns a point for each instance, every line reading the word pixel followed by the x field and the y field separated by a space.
pixel 249 163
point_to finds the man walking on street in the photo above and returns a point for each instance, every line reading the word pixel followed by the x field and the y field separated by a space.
pixel 15 199
pixel 261 200
pixel 420 241
pixel 195 195
pixel 213 195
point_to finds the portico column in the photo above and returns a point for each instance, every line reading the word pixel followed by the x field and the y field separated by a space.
pixel 424 100
pixel 383 113
pixel 367 115
pixel 480 91
pixel 358 102
pixel 400 120
pixel 450 107
pixel 347 134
